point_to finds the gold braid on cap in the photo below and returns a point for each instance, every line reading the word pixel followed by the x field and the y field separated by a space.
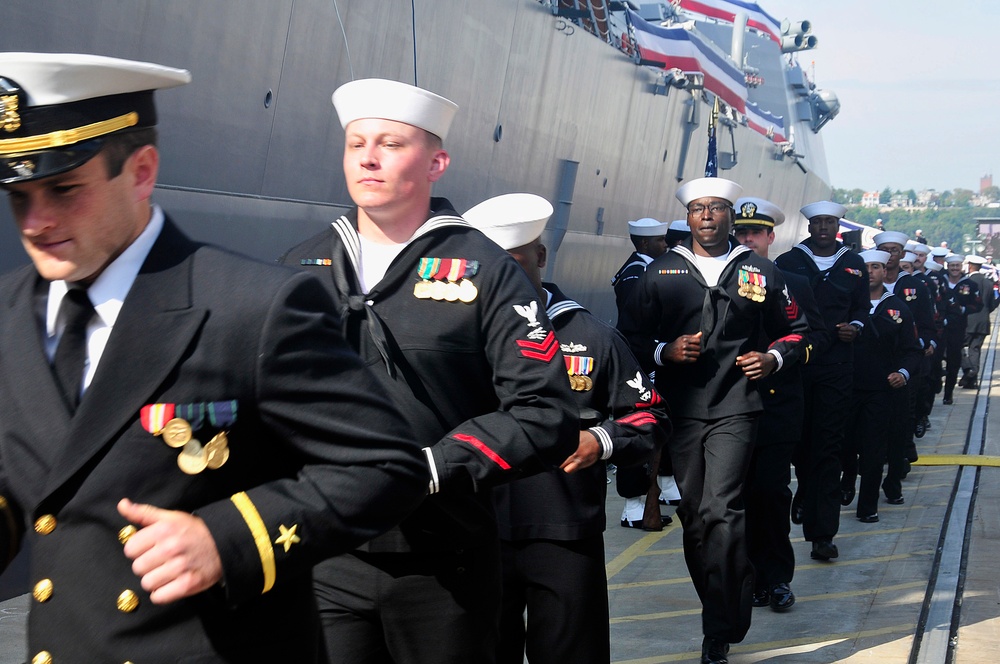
pixel 63 137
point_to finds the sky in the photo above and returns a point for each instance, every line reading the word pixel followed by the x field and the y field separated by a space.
pixel 919 89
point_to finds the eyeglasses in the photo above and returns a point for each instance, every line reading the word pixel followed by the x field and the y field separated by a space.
pixel 714 208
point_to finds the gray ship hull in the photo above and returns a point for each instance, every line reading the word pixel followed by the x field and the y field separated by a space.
pixel 252 148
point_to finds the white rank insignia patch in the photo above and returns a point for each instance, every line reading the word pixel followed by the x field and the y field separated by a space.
pixel 573 348
pixel 637 383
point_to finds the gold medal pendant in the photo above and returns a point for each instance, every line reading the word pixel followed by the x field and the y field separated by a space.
pixel 192 459
pixel 467 291
pixel 176 432
pixel 451 292
pixel 438 289
pixel 217 451
pixel 422 290
pixel 588 384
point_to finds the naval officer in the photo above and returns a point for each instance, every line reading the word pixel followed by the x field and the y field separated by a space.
pixel 455 332
pixel 707 300
pixel 552 524
pixel 180 441
pixel 768 497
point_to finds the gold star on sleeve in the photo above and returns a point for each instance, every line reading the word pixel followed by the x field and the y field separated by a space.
pixel 288 536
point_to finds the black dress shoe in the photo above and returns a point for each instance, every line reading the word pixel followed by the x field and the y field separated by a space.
pixel 782 597
pixel 824 550
pixel 947 401
pixel 927 423
pixel 761 598
pixel 920 429
pixel 714 651
pixel 895 500
pixel 846 496
pixel 797 510
pixel 869 518
pixel 666 520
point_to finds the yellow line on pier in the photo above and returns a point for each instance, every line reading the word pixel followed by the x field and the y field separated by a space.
pixel 957 460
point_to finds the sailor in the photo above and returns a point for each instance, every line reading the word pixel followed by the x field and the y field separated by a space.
pixel 837 276
pixel 902 450
pixel 677 232
pixel 638 484
pixel 962 298
pixel 886 355
pixel 938 254
pixel 913 263
pixel 686 298
pixel 768 497
pixel 936 277
pixel 978 327
pixel 551 524
pixel 179 441
pixel 649 239
pixel 454 330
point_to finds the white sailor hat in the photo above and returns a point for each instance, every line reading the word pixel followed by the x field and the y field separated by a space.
pixel 890 236
pixel 954 258
pixel 934 266
pixel 752 211
pixel 908 257
pixel 56 109
pixel 875 256
pixel 975 260
pixel 691 190
pixel 940 251
pixel 680 226
pixel 648 227
pixel 511 220
pixel 823 208
pixel 910 245
pixel 392 100
pixel 920 248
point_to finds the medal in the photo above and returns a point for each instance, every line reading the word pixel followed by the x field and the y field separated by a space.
pixel 192 460
pixel 217 451
pixel 451 291
pixel 588 384
pixel 438 289
pixel 467 291
pixel 177 432
pixel 422 290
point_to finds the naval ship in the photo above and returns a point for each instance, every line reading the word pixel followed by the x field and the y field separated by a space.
pixel 601 106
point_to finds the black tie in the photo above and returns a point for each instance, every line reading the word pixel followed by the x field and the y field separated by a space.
pixel 71 354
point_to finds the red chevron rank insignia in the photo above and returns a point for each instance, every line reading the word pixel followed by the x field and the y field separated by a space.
pixel 544 350
pixel 792 310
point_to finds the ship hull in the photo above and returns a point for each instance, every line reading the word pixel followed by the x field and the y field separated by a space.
pixel 252 147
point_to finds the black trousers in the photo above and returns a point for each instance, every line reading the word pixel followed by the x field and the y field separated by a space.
pixel 899 439
pixel 818 459
pixel 768 504
pixel 953 341
pixel 865 447
pixel 710 460
pixel 971 360
pixel 410 608
pixel 564 587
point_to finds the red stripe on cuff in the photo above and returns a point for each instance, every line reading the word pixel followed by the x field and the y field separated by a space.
pixel 481 446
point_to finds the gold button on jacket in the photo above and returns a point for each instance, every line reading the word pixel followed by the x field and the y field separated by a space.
pixel 42 590
pixel 45 524
pixel 128 601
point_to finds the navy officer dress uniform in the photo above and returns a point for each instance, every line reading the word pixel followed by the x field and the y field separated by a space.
pixel 714 407
pixel 224 389
pixel 552 524
pixel 455 333
pixel 779 430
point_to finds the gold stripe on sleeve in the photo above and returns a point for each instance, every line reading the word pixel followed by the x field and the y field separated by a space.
pixel 260 536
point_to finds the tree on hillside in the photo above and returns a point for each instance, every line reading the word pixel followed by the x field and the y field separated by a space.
pixel 885 196
pixel 963 197
pixel 992 193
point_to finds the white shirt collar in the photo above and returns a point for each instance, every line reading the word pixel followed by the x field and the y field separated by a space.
pixel 108 291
